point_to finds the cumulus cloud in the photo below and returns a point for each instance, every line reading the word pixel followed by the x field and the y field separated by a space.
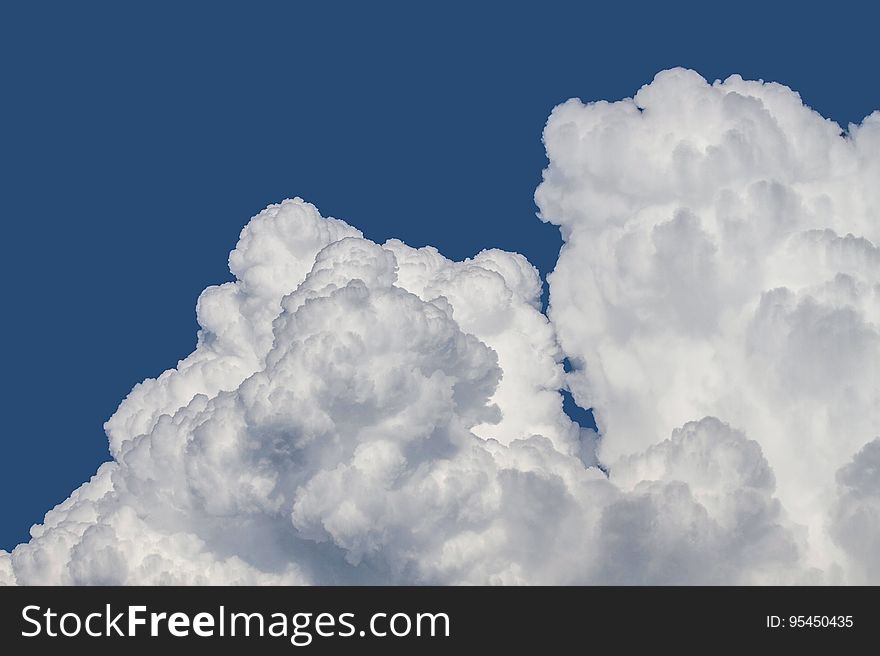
pixel 721 259
pixel 365 413
pixel 331 425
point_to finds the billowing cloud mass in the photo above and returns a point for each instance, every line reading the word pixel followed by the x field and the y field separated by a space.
pixel 365 413
pixel 344 418
pixel 721 259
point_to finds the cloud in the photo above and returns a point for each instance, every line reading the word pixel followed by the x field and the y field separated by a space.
pixel 855 517
pixel 325 411
pixel 275 252
pixel 721 258
pixel 365 413
pixel 380 414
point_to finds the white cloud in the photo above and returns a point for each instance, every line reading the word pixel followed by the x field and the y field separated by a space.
pixel 325 411
pixel 721 259
pixel 274 253
pixel 364 413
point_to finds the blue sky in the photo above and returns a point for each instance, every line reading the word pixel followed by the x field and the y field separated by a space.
pixel 138 141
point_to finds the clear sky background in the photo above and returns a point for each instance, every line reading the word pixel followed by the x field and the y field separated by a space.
pixel 137 142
